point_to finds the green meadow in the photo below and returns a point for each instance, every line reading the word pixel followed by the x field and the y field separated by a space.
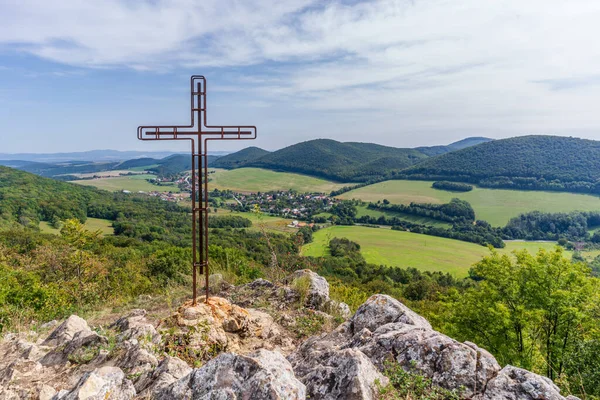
pixel 133 183
pixel 406 249
pixel 495 206
pixel 263 180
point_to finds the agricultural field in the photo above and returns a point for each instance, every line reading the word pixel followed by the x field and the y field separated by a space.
pixel 263 180
pixel 405 249
pixel 495 206
pixel 91 224
pixel 363 210
pixel 107 174
pixel 134 183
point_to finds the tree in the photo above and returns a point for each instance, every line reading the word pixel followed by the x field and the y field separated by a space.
pixel 528 310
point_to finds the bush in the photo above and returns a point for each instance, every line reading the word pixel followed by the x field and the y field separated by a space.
pixel 171 264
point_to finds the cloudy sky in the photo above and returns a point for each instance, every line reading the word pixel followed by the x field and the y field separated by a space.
pixel 80 74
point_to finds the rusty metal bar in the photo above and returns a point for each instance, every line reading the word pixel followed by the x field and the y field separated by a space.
pixel 196 134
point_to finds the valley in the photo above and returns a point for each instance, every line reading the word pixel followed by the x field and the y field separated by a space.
pixel 496 206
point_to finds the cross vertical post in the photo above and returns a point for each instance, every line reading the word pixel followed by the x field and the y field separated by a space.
pixel 198 133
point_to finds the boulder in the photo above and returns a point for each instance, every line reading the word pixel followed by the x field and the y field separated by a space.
pixel 344 374
pixel 134 359
pixel 83 348
pixel 66 331
pixel 169 371
pixel 106 383
pixel 381 309
pixel 263 375
pixel 518 384
pixel 318 288
pixel 449 364
pixel 135 326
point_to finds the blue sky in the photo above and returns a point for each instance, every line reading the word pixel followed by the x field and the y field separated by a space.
pixel 79 75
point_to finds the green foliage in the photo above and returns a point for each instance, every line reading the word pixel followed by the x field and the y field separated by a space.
pixel 529 311
pixel 171 264
pixel 340 247
pixel 306 232
pixel 456 211
pixel 406 385
pixel 553 226
pixel 452 186
pixel 308 325
pixel 229 221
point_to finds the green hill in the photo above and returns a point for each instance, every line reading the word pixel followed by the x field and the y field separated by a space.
pixel 461 144
pixel 239 159
pixel 526 162
pixel 338 161
pixel 343 162
pixel 26 199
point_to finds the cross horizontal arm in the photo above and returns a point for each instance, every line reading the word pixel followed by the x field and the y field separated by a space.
pixel 176 132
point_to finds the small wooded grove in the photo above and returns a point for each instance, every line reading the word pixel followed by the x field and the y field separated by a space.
pixel 452 186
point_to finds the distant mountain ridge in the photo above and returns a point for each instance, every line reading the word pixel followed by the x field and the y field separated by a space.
pixel 339 161
pixel 461 144
pixel 92 156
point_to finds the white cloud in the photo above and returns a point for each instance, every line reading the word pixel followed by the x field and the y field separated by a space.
pixel 423 65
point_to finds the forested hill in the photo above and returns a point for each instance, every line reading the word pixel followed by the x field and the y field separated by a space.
pixel 526 162
pixel 27 199
pixel 347 162
pixel 240 158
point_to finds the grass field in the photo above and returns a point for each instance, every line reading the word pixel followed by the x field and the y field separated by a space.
pixel 91 224
pixel 363 210
pixel 495 206
pixel 134 183
pixel 262 180
pixel 405 249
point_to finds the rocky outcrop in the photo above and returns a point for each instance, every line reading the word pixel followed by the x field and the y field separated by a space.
pixel 67 331
pixel 516 383
pixel 340 374
pixel 220 326
pixel 383 330
pixel 264 375
pixel 242 352
pixel 106 383
pixel 317 296
pixel 169 371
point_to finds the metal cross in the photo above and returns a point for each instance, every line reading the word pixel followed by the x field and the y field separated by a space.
pixel 198 132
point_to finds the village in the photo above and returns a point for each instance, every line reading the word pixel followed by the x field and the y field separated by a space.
pixel 288 204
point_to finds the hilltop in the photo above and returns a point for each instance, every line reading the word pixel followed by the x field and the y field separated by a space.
pixel 526 162
pixel 235 346
pixel 240 158
pixel 338 161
